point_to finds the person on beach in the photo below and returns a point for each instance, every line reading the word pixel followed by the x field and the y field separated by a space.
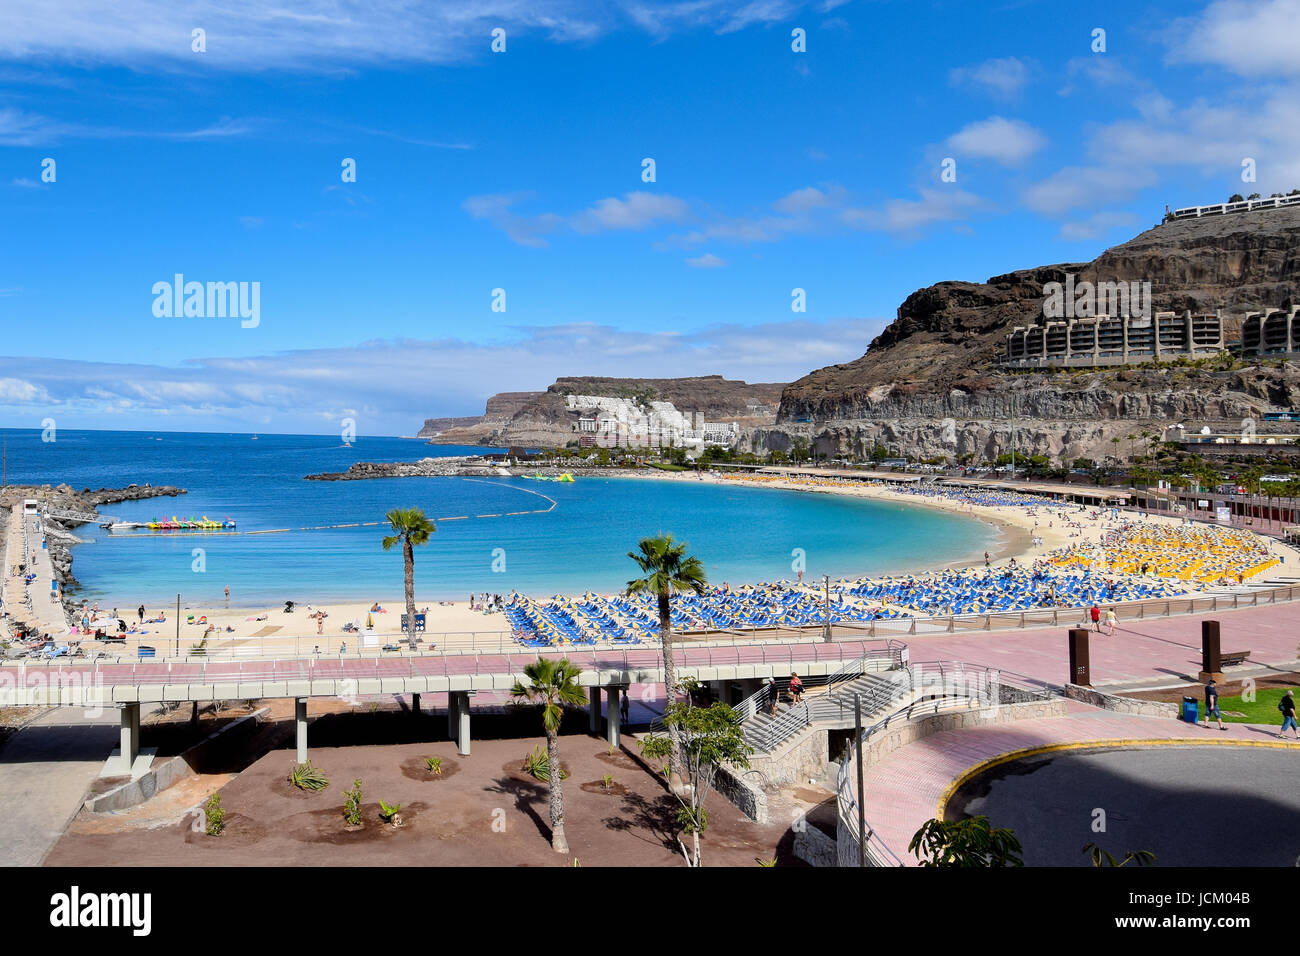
pixel 227 596
pixel 1212 704
pixel 1287 706
pixel 140 611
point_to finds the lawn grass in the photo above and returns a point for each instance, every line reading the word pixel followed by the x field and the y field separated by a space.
pixel 1261 710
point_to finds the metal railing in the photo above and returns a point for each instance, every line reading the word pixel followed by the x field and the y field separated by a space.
pixel 1002 686
pixel 1077 615
pixel 456 662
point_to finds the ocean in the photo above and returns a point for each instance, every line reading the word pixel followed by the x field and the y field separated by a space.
pixel 741 534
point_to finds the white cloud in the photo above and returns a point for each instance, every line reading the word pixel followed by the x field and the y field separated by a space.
pixel 392 385
pixel 1004 77
pixel 636 210
pixel 805 200
pixel 1086 186
pixel 525 230
pixel 18 128
pixel 330 35
pixel 936 205
pixel 1251 38
pixel 17 391
pixel 1008 142
pixel 706 261
pixel 721 16
pixel 1096 226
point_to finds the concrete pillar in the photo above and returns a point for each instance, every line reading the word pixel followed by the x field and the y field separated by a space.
pixel 593 709
pixel 612 725
pixel 415 703
pixel 300 718
pixel 462 722
pixel 130 741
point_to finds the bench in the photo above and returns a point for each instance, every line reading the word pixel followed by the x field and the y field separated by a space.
pixel 1232 657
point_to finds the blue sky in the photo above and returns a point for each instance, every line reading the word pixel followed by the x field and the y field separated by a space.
pixel 522 171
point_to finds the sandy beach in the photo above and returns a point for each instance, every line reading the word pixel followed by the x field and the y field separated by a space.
pixel 250 630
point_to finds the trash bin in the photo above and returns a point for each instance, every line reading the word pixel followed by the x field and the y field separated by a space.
pixel 1189 709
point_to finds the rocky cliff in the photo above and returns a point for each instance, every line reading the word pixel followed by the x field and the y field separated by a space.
pixel 930 384
pixel 543 419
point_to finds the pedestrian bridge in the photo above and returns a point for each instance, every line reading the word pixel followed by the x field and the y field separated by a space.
pixel 94 685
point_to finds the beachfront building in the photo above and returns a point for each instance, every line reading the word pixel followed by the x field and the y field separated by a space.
pixel 605 421
pixel 1273 332
pixel 1106 340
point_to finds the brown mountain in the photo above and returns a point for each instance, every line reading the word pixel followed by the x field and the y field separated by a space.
pixel 930 384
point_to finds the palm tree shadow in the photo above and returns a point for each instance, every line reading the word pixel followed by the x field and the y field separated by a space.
pixel 525 794
pixel 652 821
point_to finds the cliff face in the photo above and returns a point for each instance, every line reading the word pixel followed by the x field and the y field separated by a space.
pixel 544 419
pixel 929 384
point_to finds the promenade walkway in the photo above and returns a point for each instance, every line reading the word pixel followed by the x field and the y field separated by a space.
pixel 34 604
pixel 910 785
pixel 1151 651
pixel 46 769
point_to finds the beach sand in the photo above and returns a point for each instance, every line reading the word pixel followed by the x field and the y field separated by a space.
pixel 268 629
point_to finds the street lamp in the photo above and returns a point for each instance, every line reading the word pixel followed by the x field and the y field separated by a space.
pixel 826 625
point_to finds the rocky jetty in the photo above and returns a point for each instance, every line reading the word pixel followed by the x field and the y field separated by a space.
pixel 67 498
pixel 460 466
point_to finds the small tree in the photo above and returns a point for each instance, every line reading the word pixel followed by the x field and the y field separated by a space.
pixel 707 737
pixel 553 683
pixel 965 843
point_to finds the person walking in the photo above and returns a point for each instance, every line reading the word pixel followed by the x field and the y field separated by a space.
pixel 1095 613
pixel 227 597
pixel 1111 621
pixel 140 611
pixel 1212 704
pixel 796 689
pixel 773 695
pixel 1287 706
pixel 624 709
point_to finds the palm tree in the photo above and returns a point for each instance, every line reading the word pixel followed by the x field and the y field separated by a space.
pixel 555 684
pixel 411 527
pixel 668 570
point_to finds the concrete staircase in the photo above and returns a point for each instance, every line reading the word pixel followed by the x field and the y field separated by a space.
pixel 831 707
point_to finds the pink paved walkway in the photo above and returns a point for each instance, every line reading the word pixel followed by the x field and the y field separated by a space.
pixel 903 789
pixel 1144 650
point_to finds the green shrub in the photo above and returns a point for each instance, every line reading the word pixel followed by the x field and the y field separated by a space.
pixel 538 764
pixel 306 777
pixel 606 780
pixel 214 815
pixel 352 804
pixel 386 812
pixel 433 765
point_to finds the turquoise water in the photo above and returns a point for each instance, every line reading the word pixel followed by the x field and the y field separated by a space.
pixel 742 534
